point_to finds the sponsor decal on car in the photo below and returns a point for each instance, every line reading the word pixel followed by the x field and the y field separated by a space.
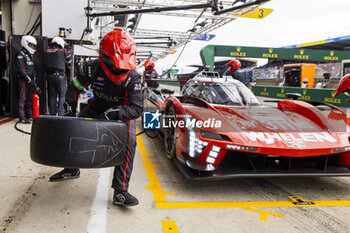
pixel 291 139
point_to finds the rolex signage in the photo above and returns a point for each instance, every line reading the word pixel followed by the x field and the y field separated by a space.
pixel 307 94
pixel 281 53
pixel 271 54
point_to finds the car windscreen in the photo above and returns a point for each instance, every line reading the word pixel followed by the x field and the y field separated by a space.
pixel 222 93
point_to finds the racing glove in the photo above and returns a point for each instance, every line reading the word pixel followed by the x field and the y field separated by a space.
pixel 70 105
pixel 29 81
pixel 110 114
pixel 69 109
pixel 37 90
pixel 69 99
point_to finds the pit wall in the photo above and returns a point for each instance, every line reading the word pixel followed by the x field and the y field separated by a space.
pixel 333 83
pixel 308 94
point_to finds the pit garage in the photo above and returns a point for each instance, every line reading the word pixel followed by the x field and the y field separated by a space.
pixel 168 201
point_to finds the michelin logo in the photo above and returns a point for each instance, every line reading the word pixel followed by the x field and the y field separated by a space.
pixel 270 138
pixel 151 120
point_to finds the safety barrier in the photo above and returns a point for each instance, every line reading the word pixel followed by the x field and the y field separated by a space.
pixel 307 94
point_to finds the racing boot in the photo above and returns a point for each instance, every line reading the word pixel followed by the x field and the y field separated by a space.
pixel 22 121
pixel 65 174
pixel 123 198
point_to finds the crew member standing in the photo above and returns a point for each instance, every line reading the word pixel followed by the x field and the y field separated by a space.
pixel 234 71
pixel 26 78
pixel 150 74
pixel 116 87
pixel 55 67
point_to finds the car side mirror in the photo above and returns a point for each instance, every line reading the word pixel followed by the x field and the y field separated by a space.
pixel 166 91
pixel 293 96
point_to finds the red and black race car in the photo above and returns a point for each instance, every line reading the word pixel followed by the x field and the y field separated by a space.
pixel 217 128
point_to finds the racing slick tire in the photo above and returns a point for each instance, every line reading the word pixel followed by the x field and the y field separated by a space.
pixel 170 134
pixel 72 142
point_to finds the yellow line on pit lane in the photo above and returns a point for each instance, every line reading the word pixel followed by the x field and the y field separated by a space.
pixel 170 227
pixel 161 202
pixel 263 214
pixel 246 204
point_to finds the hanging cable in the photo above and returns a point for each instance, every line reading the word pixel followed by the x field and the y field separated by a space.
pixel 35 25
pixel 20 130
pixel 186 42
pixel 140 133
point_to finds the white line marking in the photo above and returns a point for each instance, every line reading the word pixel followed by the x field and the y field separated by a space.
pixel 98 214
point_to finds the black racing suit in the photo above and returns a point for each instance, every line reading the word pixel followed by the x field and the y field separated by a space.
pixel 55 58
pixel 242 76
pixel 111 101
pixel 26 83
pixel 150 77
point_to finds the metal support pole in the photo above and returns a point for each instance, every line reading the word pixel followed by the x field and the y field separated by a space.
pixel 11 16
pixel 150 10
pixel 240 6
pixel 72 68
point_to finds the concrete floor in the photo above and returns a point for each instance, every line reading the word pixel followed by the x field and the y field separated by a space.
pixel 168 202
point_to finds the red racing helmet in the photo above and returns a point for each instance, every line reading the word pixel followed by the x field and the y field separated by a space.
pixel 149 65
pixel 235 64
pixel 343 86
pixel 117 55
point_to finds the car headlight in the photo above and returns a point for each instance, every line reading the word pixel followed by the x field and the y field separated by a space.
pixel 213 154
pixel 337 150
pixel 194 146
pixel 244 148
pixel 211 135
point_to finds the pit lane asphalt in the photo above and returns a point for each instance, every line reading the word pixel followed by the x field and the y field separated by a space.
pixel 168 202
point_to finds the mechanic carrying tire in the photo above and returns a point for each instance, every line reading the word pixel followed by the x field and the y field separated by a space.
pixel 150 74
pixel 78 142
pixel 116 87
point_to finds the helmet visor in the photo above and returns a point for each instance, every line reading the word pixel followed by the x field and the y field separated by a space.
pixel 111 67
pixel 32 46
pixel 147 68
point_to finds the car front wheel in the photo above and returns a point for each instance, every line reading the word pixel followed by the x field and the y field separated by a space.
pixel 170 134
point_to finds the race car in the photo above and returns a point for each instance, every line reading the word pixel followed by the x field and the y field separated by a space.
pixel 217 129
